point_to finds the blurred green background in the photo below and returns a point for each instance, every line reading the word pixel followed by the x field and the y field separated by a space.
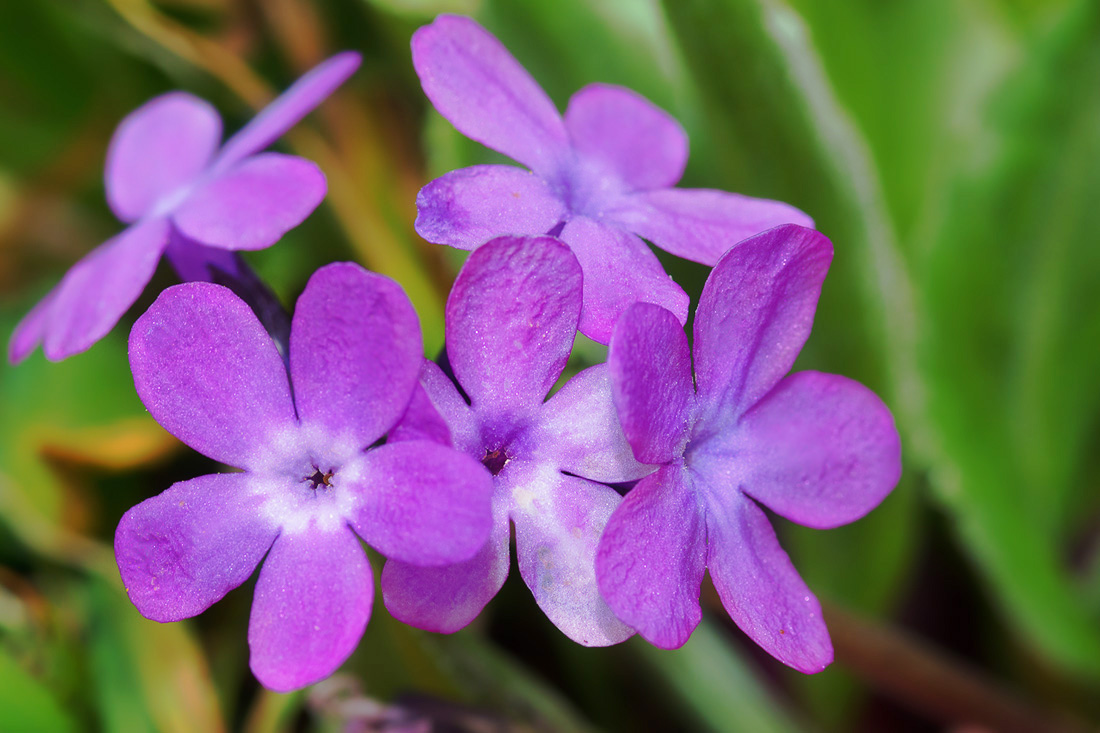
pixel 949 148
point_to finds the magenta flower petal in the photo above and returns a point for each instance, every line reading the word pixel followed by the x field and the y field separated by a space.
pixel 421 421
pixel 613 125
pixel 181 551
pixel 254 204
pixel 655 396
pixel 467 207
pixel 821 450
pixel 754 315
pixel 511 320
pixel 438 400
pixel 556 538
pixel 701 224
pixel 312 603
pixel 446 599
pixel 99 289
pixel 422 503
pixel 578 430
pixel 157 150
pixel 355 352
pixel 651 558
pixel 759 587
pixel 288 108
pixel 31 329
pixel 484 92
pixel 619 269
pixel 210 375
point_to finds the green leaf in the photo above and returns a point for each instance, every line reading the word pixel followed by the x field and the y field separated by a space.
pixel 779 132
pixel 25 704
pixel 715 684
pixel 865 566
pixel 148 676
pixel 1012 333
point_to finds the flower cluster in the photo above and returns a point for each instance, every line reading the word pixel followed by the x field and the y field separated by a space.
pixel 351 434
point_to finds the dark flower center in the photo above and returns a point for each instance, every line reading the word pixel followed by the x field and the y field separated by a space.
pixel 495 460
pixel 320 478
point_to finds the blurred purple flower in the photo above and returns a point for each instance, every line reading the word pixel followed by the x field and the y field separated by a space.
pixel 600 178
pixel 166 177
pixel 209 373
pixel 511 320
pixel 818 449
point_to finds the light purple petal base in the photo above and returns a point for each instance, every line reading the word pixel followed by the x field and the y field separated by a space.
pixel 557 531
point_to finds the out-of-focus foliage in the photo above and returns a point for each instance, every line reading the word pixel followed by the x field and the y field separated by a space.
pixel 949 148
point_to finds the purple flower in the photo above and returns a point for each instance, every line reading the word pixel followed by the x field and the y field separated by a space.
pixel 210 374
pixel 166 177
pixel 818 449
pixel 599 179
pixel 511 319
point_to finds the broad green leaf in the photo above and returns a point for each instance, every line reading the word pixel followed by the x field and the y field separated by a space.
pixel 898 68
pixel 779 132
pixel 149 676
pixel 1012 332
pixel 25 704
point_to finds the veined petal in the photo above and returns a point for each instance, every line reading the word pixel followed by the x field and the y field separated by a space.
pixel 468 207
pixel 99 289
pixel 578 431
pixel 252 205
pixel 474 82
pixel 619 269
pixel 31 329
pixel 210 375
pixel 559 520
pixel 759 587
pixel 820 450
pixel 288 108
pixel 355 352
pixel 159 149
pixel 312 604
pixel 652 556
pixel 421 503
pixel 183 550
pixel 701 224
pixel 651 382
pixel 755 313
pixel 628 134
pixel 511 320
pixel 446 599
